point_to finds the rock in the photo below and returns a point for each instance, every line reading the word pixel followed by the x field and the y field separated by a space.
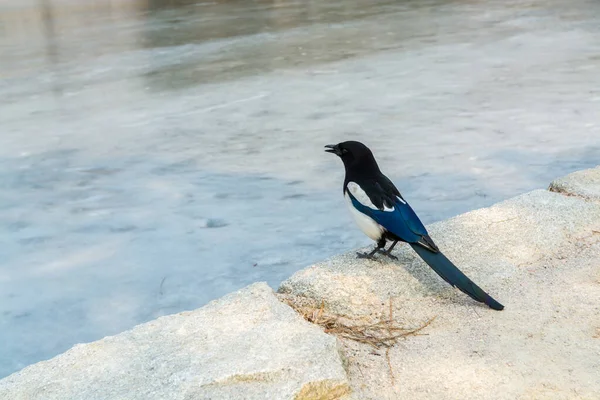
pixel 584 184
pixel 487 244
pixel 537 254
pixel 245 345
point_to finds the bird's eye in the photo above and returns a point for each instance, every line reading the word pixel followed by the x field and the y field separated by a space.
pixel 344 151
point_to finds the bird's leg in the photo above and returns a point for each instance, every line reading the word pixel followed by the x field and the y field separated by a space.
pixel 380 245
pixel 388 252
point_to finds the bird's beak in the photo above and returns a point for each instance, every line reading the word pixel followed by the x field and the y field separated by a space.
pixel 333 148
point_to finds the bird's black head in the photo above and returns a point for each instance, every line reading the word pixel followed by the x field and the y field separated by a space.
pixel 354 155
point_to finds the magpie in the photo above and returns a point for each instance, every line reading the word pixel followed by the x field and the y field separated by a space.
pixel 383 214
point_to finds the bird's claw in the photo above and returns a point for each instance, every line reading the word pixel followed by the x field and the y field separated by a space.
pixel 372 257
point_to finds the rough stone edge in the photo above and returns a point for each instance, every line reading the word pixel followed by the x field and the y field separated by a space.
pixel 565 186
pixel 326 389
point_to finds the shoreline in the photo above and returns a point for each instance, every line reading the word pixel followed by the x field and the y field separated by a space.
pixel 536 253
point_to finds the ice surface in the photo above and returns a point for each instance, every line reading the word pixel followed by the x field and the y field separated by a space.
pixel 156 155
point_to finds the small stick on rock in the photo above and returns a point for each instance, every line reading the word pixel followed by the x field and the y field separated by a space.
pixel 387 356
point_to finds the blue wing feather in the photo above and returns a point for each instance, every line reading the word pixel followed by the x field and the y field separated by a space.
pixel 413 222
pixel 402 222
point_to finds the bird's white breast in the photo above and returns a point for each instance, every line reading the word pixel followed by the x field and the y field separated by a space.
pixel 366 224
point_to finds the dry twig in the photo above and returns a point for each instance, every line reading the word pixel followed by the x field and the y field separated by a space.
pixel 387 357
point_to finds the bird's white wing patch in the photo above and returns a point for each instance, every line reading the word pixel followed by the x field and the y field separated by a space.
pixel 400 200
pixel 362 197
pixel 366 224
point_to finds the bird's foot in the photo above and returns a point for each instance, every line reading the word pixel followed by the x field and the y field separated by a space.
pixel 365 256
pixel 371 256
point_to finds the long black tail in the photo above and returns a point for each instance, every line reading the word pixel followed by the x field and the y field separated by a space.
pixel 454 276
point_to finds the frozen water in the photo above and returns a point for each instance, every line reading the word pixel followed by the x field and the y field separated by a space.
pixel 155 155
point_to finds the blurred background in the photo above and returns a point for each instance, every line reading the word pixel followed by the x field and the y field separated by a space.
pixel 155 155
